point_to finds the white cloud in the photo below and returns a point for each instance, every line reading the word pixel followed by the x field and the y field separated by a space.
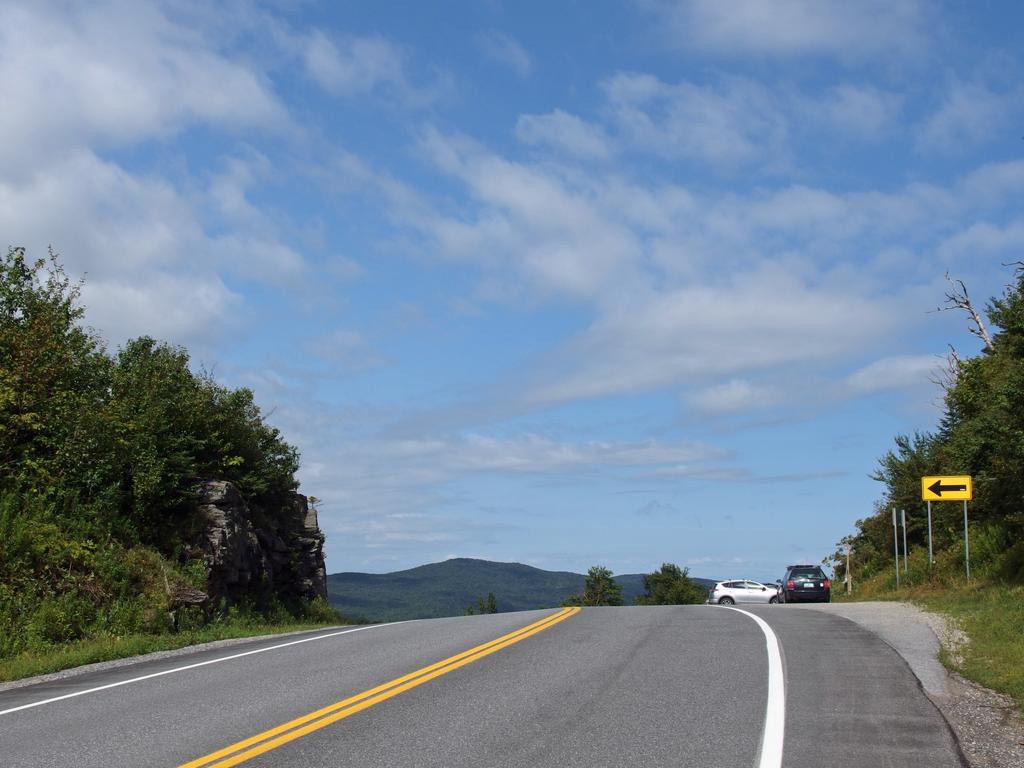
pixel 135 239
pixel 899 372
pixel 228 190
pixel 860 111
pixel 103 219
pixel 345 268
pixel 256 257
pixel 533 221
pixel 250 247
pixel 848 31
pixel 562 131
pixel 970 113
pixel 758 321
pixel 346 349
pixel 197 309
pixel 114 73
pixel 356 66
pixel 724 125
pixel 689 291
pixel 506 51
pixel 994 183
pixel 983 238
pixel 90 78
pixel 150 265
pixel 732 395
pixel 434 460
pixel 535 453
pixel 730 121
pixel 727 475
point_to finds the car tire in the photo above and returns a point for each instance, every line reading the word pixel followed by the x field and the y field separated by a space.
pixel 773 601
pixel 727 601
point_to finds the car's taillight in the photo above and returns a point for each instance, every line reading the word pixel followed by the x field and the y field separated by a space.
pixel 825 584
pixel 790 584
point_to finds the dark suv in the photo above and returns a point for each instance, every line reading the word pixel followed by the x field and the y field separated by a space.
pixel 804 584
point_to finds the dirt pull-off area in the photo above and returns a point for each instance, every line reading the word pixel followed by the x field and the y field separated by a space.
pixel 986 723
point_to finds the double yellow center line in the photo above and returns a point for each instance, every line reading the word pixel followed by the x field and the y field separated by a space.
pixel 282 734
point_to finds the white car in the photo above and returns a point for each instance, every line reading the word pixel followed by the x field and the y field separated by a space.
pixel 742 591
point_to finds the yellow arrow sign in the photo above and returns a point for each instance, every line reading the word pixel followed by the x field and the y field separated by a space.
pixel 947 488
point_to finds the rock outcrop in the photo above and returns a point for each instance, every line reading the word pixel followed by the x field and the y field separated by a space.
pixel 258 554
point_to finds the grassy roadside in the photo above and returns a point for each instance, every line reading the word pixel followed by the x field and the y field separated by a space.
pixel 990 613
pixel 106 648
pixel 992 617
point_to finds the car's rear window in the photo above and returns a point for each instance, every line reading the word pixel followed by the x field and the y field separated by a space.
pixel 807 573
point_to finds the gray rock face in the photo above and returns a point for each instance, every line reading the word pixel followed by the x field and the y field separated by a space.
pixel 253 553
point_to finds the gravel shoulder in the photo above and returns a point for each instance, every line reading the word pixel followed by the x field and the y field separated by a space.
pixel 986 723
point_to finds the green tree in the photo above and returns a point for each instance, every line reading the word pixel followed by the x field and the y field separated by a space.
pixel 599 588
pixel 981 433
pixel 52 372
pixel 483 605
pixel 671 585
pixel 241 447
pixel 158 418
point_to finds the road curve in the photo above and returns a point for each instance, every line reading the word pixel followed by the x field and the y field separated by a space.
pixel 636 686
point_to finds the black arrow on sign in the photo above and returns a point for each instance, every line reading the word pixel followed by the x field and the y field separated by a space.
pixel 937 487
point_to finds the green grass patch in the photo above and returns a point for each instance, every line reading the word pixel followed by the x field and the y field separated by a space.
pixel 108 647
pixel 992 616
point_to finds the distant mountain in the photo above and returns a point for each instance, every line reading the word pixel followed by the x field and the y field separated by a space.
pixel 447 588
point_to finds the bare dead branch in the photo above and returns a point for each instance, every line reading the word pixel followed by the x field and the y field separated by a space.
pixel 947 377
pixel 957 298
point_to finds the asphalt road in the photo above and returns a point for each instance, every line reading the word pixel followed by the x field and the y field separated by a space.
pixel 637 686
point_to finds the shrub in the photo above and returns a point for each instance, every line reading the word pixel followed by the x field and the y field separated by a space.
pixel 989 544
pixel 61 618
pixel 1012 570
pixel 319 611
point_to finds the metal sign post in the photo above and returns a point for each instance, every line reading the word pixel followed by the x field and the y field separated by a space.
pixel 896 546
pixel 903 514
pixel 930 558
pixel 967 544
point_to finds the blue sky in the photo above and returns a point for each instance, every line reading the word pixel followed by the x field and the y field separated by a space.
pixel 560 283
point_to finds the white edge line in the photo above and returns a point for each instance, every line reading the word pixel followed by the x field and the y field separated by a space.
pixel 192 666
pixel 775 710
